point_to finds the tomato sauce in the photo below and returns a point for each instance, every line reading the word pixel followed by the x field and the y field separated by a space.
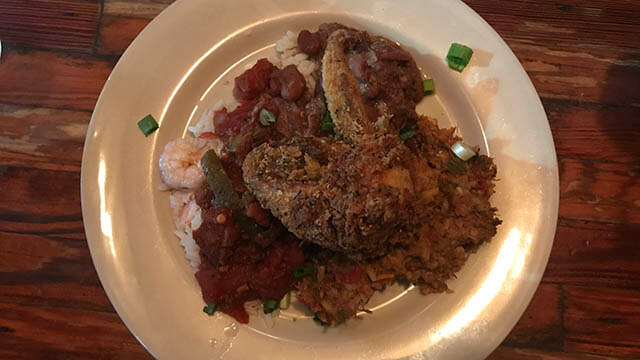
pixel 234 268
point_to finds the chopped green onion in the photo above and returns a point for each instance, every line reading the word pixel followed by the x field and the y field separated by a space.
pixel 408 134
pixel 327 122
pixel 456 166
pixel 429 86
pixel 286 301
pixel 267 118
pixel 303 271
pixel 210 308
pixel 457 66
pixel 148 125
pixel 269 306
pixel 463 151
pixel 459 56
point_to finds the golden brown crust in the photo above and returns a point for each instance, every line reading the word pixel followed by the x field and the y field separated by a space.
pixel 352 200
pixel 343 92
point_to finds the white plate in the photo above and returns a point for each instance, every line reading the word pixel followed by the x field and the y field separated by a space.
pixel 186 59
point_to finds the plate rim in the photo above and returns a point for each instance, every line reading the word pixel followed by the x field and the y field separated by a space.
pixel 85 181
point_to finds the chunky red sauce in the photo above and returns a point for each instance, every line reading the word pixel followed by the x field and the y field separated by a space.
pixel 236 269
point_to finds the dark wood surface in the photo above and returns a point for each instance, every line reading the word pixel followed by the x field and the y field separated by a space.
pixel 582 56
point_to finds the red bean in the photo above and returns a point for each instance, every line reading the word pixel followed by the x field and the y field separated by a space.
pixel 309 43
pixel 251 83
pixel 290 82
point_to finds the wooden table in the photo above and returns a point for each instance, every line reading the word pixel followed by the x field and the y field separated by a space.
pixel 583 58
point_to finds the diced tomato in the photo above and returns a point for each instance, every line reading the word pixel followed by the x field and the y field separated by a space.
pixel 230 123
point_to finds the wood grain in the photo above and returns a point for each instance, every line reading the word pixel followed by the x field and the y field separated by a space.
pixel 578 23
pixel 570 49
pixel 52 79
pixel 117 32
pixel 541 324
pixel 35 196
pixel 511 353
pixel 602 321
pixel 578 126
pixel 42 137
pixel 40 332
pixel 57 24
pixel 595 254
pixel 585 75
pixel 139 8
pixel 599 191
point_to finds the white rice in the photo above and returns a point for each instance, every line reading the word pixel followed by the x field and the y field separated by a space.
pixel 287 53
pixel 187 217
pixel 186 213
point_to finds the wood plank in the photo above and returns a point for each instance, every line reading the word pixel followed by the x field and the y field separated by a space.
pixel 116 33
pixel 541 324
pixel 38 196
pixel 510 353
pixel 597 22
pixel 49 269
pixel 576 127
pixel 52 79
pixel 147 9
pixel 35 332
pixel 599 191
pixel 42 137
pixel 579 251
pixel 602 321
pixel 598 75
pixel 585 51
pixel 59 24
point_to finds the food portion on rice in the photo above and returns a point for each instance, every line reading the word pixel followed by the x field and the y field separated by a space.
pixel 322 179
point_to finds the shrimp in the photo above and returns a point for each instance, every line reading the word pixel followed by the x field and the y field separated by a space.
pixel 179 164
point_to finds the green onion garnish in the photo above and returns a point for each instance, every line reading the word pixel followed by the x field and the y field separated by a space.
pixel 148 125
pixel 267 118
pixel 210 308
pixel 303 271
pixel 286 301
pixel 456 166
pixel 327 122
pixel 463 151
pixel 459 56
pixel 408 134
pixel 428 86
pixel 269 306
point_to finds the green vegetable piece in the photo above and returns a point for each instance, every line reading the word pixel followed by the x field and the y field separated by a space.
pixel 408 134
pixel 459 56
pixel 327 122
pixel 224 194
pixel 463 151
pixel 456 166
pixel 148 125
pixel 269 306
pixel 219 182
pixel 286 301
pixel 210 308
pixel 266 117
pixel 303 271
pixel 429 86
